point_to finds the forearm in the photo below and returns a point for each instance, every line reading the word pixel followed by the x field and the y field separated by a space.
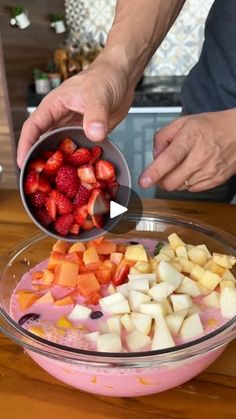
pixel 138 29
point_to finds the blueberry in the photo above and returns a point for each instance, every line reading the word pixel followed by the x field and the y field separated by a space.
pixel 96 314
pixel 28 317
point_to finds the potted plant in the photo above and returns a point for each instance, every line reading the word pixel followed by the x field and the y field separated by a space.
pixel 19 17
pixel 53 74
pixel 42 83
pixel 57 22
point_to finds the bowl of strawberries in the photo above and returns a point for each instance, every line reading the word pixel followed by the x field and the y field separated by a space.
pixel 67 183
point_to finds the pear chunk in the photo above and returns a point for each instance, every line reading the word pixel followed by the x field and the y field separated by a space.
pixel 137 341
pixel 161 291
pixel 211 300
pixel 109 342
pixel 162 337
pixel 191 327
pixel 180 301
pixel 174 321
pixel 167 273
pixel 228 302
pixel 142 322
pixel 189 287
pixel 137 298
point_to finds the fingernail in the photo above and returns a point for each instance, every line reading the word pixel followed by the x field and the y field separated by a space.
pixel 145 181
pixel 97 130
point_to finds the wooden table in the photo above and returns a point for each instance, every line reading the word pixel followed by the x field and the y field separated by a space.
pixel 27 392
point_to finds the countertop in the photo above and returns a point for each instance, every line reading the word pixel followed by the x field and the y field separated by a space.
pixel 27 392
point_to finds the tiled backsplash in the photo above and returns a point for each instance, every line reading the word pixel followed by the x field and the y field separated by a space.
pixel 178 52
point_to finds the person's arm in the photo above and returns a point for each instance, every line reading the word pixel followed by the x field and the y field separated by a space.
pixel 101 96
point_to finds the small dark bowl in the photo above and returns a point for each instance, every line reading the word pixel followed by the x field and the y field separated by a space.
pixel 111 152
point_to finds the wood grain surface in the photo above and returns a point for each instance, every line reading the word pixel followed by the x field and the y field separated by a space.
pixel 27 392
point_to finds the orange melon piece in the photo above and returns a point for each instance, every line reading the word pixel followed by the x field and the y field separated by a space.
pixel 60 246
pixel 55 260
pixel 108 265
pixel 66 274
pixel 106 247
pixel 36 276
pixel 41 287
pixel 90 256
pixel 116 258
pixel 75 257
pixel 103 276
pixel 64 323
pixel 88 284
pixel 93 299
pixel 64 301
pixel 95 242
pixel 77 247
pixel 91 267
pixel 48 277
pixel 121 248
pixel 26 299
pixel 45 299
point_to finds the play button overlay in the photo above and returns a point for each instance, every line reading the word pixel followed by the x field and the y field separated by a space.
pixel 116 209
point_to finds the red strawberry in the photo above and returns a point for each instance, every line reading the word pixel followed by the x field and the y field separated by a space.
pixel 46 154
pixel 87 224
pixel 50 205
pixel 43 184
pixel 104 170
pixel 67 181
pixel 98 221
pixel 63 204
pixel 31 182
pixel 38 199
pixel 98 203
pixel 112 188
pixel 42 216
pixel 37 164
pixel 82 196
pixel 86 174
pixel 75 228
pixel 53 163
pixel 88 186
pixel 80 214
pixel 96 152
pixel 67 146
pixel 63 224
pixel 80 156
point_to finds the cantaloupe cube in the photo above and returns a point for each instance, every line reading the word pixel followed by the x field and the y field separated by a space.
pixel 66 274
pixel 90 256
pixel 48 277
pixel 106 247
pixel 77 247
pixel 55 259
pixel 88 284
pixel 61 246
pixel 64 323
pixel 45 299
pixel 103 276
pixel 66 301
pixel 116 257
pixel 175 241
pixel 74 257
pixel 26 299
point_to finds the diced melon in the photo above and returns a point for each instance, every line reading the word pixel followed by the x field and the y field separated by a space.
pixel 26 299
pixel 88 284
pixel 228 302
pixel 37 330
pixel 136 253
pixel 103 276
pixel 176 265
pixel 161 256
pixel 79 312
pixel 137 298
pixel 55 259
pixel 214 267
pixel 167 273
pixel 151 277
pixel 115 303
pixel 137 341
pixel 204 290
pixel 77 247
pixel 161 291
pixel 139 284
pixel 174 320
pixel 64 323
pixel 142 322
pixel 226 284
pixel 143 267
pixel 196 272
pixel 68 300
pixel 189 287
pixel 191 328
pixel 166 307
pixel 47 298
pixel 90 256
pixel 210 280
pixel 109 342
pixel 181 252
pixel 60 246
pixel 116 257
pixel 197 255
pixel 66 274
pixel 180 301
pixel 175 241
pixel 48 277
pixel 106 247
pixel 162 337
pixel 211 300
pixel 111 299
pixel 114 325
pixel 127 322
pixel 203 246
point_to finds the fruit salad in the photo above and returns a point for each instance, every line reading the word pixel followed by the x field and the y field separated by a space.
pixel 119 296
pixel 70 189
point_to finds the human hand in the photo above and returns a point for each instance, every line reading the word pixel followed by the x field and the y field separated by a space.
pixel 197 152
pixel 97 98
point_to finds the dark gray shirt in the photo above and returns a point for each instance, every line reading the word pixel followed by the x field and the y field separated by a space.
pixel 211 84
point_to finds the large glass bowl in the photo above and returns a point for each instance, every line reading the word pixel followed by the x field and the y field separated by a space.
pixel 112 374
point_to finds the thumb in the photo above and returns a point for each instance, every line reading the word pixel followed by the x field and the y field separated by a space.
pixel 165 136
pixel 96 119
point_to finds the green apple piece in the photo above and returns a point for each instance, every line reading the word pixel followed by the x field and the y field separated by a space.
pixel 189 287
pixel 142 322
pixel 166 273
pixel 181 251
pixel 113 324
pixel 228 302
pixel 79 312
pixel 123 289
pixel 212 300
pixel 161 291
pixel 175 241
pixel 197 256
pixel 138 284
pixel 210 280
pixel 174 321
pixel 151 309
pixel 191 328
pixel 127 322
pixel 109 342
pixel 137 341
pixel 180 301
pixel 136 298
pixel 136 253
pixel 162 337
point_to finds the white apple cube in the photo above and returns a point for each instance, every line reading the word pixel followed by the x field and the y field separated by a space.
pixel 166 306
pixel 137 298
pixel 109 342
pixel 92 337
pixel 222 260
pixel 211 300
pixel 174 321
pixel 79 312
pixel 127 322
pixel 123 289
pixel 191 328
pixel 121 307
pixel 151 309
pixel 137 341
pixel 142 322
pixel 225 284
pixel 189 287
pixel 143 267
pixel 194 309
pixel 167 273
pixel 133 271
pixel 228 302
pixel 113 324
pixel 181 301
pixel 136 253
pixel 228 276
pixel 162 337
pixel 196 273
pixel 168 251
pixel 161 291
pixel 214 267
pixel 161 256
pixel 203 246
pixel 151 277
pixel 138 284
pixel 175 241
pixel 181 251
pixel 210 280
pixel 176 265
pixel 103 327
pixel 185 263
pixel 110 300
pixel 197 256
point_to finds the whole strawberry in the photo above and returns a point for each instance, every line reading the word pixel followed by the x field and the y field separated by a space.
pixel 67 181
pixel 82 196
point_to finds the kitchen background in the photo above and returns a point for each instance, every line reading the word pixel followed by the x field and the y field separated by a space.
pixel 28 57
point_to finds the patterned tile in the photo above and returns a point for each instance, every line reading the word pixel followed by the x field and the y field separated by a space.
pixel 178 52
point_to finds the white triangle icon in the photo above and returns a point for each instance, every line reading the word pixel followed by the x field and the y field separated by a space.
pixel 116 209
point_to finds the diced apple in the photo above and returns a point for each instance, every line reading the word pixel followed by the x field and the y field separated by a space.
pixel 162 337
pixel 166 307
pixel 109 342
pixel 189 287
pixel 153 264
pixel 168 251
pixel 197 255
pixel 161 256
pixel 204 290
pixel 138 284
pixel 174 321
pixel 180 301
pixel 175 241
pixel 123 289
pixel 79 312
pixel 134 271
pixel 176 265
pixel 142 322
pixel 194 309
pixel 210 280
pixel 127 322
pixel 137 341
pixel 161 291
pixel 185 263
pixel 167 273
pixel 143 267
pixel 191 328
pixel 203 246
pixel 228 302
pixel 211 300
pixel 111 289
pixel 92 337
pixel 214 267
pixel 111 299
pixel 196 272
pixel 102 327
pixel 228 276
pixel 113 325
pixel 181 252
pixel 121 307
pixel 151 277
pixel 48 277
pixel 224 260
pixel 151 309
pixel 136 253
pixel 137 298
pixel 226 284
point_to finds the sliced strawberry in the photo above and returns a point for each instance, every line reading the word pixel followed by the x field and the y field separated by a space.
pixel 121 273
pixel 98 203
pixel 63 224
pixel 104 170
pixel 112 188
pixel 37 199
pixel 43 184
pixel 96 153
pixel 31 182
pixel 64 206
pixel 75 228
pixel 98 221
pixel 67 146
pixel 42 216
pixel 50 205
pixel 86 174
pixel 37 164
pixel 82 196
pixel 81 156
pixel 87 225
pixel 89 186
pixel 53 163
pixel 67 181
pixel 46 154
pixel 80 214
